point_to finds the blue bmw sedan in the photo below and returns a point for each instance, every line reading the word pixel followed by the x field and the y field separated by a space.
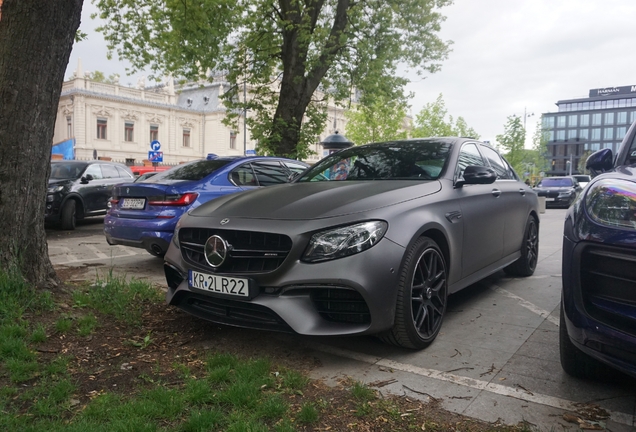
pixel 144 214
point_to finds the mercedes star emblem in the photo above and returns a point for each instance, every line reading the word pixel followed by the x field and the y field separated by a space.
pixel 224 221
pixel 215 251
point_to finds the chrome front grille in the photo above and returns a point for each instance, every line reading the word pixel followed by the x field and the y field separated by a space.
pixel 249 251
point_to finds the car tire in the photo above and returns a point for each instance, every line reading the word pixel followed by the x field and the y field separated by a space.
pixel 421 297
pixel 527 262
pixel 574 361
pixel 67 218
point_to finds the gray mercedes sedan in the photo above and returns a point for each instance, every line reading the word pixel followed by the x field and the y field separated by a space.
pixel 370 240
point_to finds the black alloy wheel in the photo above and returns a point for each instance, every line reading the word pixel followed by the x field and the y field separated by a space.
pixel 68 215
pixel 421 299
pixel 527 262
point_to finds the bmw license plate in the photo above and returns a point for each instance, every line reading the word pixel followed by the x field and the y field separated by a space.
pixel 219 284
pixel 549 199
pixel 133 203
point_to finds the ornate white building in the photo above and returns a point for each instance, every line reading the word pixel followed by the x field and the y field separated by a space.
pixel 119 122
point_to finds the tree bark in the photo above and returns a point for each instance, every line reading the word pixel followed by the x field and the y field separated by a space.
pixel 36 39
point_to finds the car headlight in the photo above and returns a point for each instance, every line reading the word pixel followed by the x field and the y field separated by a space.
pixel 344 241
pixel 565 194
pixel 53 189
pixel 612 203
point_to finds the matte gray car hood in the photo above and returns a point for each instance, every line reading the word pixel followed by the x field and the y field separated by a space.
pixel 314 200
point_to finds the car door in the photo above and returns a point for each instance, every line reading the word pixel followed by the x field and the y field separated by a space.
pixel 92 190
pixel 514 200
pixel 482 215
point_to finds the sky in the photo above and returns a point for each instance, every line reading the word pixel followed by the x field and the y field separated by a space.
pixel 509 57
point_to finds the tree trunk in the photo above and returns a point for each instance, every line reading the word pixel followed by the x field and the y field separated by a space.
pixel 36 38
pixel 298 84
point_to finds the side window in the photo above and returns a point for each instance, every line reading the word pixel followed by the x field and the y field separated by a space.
pixel 294 167
pixel 243 176
pixel 498 164
pixel 469 155
pixel 94 170
pixel 123 173
pixel 110 171
pixel 270 173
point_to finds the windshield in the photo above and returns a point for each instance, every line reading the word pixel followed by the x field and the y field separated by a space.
pixel 190 171
pixel 556 182
pixel 67 170
pixel 582 178
pixel 405 160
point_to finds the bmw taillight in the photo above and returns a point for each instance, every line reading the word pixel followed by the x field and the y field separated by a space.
pixel 176 200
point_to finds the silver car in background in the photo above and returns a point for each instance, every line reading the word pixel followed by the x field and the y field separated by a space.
pixel 370 240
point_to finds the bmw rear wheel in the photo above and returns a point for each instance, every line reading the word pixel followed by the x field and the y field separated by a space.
pixel 421 297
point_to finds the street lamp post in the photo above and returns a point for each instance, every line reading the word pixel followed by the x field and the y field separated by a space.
pixel 525 117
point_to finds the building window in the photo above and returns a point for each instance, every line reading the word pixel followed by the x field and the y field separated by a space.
pixel 69 127
pixel 129 129
pixel 609 118
pixel 573 121
pixel 154 133
pixel 186 137
pixel 620 132
pixel 561 121
pixel 548 122
pixel 101 128
pixel 594 146
pixel 585 119
pixel 596 119
pixel 621 117
pixel 584 134
pixel 551 135
pixel 608 134
pixel 560 135
pixel 232 139
pixel 596 133
pixel 632 116
pixel 572 134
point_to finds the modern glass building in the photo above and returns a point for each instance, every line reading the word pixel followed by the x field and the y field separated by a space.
pixel 582 126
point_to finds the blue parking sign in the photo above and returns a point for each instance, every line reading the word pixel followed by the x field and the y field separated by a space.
pixel 155 156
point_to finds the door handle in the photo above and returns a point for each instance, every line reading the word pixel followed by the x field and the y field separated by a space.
pixel 496 193
pixel 522 192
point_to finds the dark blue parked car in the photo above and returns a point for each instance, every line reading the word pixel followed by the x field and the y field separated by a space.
pixel 144 214
pixel 598 308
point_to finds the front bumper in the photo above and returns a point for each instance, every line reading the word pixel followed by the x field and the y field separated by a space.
pixel 599 302
pixel 348 296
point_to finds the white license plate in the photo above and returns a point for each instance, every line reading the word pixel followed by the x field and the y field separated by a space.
pixel 549 199
pixel 219 284
pixel 133 203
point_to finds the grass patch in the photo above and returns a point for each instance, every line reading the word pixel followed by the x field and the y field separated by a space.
pixel 117 297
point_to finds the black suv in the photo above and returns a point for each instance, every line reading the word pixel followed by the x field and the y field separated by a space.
pixel 78 189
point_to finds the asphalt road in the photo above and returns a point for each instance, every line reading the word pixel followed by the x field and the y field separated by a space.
pixel 496 357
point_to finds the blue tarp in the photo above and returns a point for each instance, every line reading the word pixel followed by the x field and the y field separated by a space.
pixel 65 148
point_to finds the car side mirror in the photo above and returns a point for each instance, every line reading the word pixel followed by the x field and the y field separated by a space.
pixel 476 174
pixel 85 179
pixel 600 161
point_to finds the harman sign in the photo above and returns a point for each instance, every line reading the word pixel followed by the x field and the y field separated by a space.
pixel 609 91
